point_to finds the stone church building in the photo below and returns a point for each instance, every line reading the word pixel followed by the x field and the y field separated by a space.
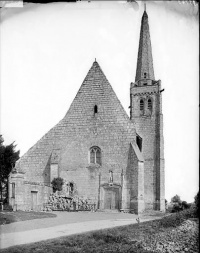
pixel 114 160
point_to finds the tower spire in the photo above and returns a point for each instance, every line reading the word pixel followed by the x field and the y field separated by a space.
pixel 145 60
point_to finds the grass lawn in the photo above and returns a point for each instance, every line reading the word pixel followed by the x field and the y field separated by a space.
pixel 7 217
pixel 136 238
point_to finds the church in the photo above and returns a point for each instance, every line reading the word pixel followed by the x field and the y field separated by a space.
pixel 114 160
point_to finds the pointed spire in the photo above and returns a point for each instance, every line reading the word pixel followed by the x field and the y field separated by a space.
pixel 145 59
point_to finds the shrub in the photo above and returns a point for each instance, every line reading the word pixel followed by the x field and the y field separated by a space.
pixel 172 220
pixel 176 219
pixel 57 184
pixel 185 205
pixel 189 213
pixel 176 204
pixel 177 207
pixel 176 199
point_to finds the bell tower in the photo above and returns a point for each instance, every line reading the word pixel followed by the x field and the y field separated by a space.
pixel 146 112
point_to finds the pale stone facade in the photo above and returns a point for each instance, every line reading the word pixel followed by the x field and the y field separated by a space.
pixel 114 161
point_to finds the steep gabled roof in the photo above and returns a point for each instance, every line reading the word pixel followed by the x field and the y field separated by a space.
pixel 95 90
pixel 96 85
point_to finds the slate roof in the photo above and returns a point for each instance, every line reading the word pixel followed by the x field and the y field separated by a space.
pixel 145 59
pixel 94 89
pixel 55 156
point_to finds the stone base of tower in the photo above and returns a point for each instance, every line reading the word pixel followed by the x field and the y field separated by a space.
pixel 137 206
pixel 159 205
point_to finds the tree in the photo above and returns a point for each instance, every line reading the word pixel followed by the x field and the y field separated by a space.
pixel 196 201
pixel 176 199
pixel 177 203
pixel 185 205
pixel 57 184
pixel 8 158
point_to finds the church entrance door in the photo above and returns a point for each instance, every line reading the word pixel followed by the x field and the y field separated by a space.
pixel 111 198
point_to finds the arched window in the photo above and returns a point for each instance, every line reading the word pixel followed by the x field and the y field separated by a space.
pixel 149 104
pixel 95 109
pixel 98 156
pixel 92 156
pixel 95 155
pixel 142 105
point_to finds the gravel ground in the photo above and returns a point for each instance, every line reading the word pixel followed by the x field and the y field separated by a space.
pixel 184 238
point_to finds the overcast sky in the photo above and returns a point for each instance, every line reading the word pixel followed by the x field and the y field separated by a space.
pixel 47 50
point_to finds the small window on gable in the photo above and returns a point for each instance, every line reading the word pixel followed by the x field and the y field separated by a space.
pixel 141 105
pixel 95 155
pixel 95 109
pixel 145 75
pixel 149 104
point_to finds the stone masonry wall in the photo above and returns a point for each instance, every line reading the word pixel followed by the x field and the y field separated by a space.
pixel 110 129
pixel 150 127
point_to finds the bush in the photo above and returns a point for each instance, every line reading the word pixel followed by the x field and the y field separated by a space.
pixel 185 205
pixel 176 199
pixel 177 207
pixel 176 219
pixel 57 184
pixel 172 220
pixel 177 204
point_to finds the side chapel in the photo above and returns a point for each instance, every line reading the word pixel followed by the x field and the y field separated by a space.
pixel 112 159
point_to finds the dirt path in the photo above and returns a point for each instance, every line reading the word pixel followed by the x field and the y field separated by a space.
pixel 64 224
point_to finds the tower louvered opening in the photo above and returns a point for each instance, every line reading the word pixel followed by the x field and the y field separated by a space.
pixel 149 104
pixel 141 105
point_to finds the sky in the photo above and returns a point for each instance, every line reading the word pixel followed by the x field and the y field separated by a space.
pixel 46 50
